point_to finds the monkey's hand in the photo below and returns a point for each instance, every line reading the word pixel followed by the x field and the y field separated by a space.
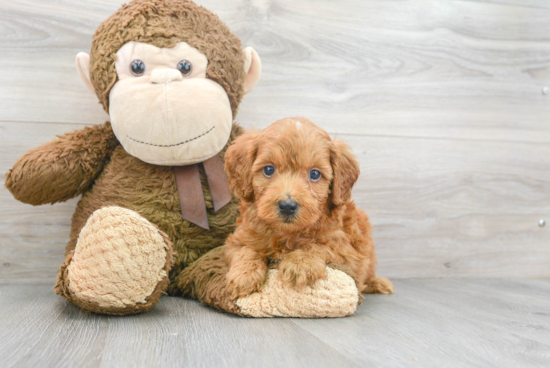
pixel 63 168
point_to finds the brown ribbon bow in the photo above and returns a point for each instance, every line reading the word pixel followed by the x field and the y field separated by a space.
pixel 188 180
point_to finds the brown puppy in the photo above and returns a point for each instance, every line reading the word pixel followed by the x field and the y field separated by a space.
pixel 295 187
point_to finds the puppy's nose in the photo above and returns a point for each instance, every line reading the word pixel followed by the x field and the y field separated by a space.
pixel 288 208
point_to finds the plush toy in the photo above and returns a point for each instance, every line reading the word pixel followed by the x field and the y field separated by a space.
pixel 155 197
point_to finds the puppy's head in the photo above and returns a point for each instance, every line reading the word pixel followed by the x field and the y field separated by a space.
pixel 292 172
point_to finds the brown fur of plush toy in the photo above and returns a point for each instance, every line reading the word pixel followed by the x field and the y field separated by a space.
pixel 205 280
pixel 92 163
pixel 324 226
pixel 163 24
pixel 62 169
pixel 136 200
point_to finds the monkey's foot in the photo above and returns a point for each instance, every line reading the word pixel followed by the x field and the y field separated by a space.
pixel 205 279
pixel 334 296
pixel 120 264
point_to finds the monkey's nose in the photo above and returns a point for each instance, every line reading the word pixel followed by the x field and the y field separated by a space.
pixel 288 208
pixel 159 76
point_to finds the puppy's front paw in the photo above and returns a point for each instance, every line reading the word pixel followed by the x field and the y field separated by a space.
pixel 299 269
pixel 242 283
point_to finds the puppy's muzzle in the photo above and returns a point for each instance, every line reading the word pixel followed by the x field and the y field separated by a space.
pixel 288 208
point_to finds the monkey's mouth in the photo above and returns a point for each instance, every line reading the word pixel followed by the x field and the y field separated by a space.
pixel 175 144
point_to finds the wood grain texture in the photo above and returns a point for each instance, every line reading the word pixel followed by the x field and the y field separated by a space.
pixel 409 68
pixel 427 323
pixel 469 210
pixel 441 101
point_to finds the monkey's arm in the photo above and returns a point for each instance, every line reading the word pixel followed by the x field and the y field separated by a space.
pixel 63 168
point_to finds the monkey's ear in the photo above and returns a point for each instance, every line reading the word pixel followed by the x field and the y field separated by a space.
pixel 83 67
pixel 252 69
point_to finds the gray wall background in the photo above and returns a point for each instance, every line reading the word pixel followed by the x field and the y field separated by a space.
pixel 442 101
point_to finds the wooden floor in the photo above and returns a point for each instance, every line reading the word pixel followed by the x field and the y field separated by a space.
pixel 427 323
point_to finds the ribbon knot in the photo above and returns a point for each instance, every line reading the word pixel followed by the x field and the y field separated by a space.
pixel 188 180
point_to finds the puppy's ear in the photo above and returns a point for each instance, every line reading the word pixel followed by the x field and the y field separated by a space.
pixel 238 164
pixel 345 170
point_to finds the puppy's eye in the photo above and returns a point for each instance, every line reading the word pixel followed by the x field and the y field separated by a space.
pixel 184 67
pixel 269 171
pixel 137 67
pixel 314 175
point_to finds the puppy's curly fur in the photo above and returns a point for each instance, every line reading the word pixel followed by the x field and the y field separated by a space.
pixel 325 227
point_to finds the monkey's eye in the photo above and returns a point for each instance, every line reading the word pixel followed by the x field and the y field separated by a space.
pixel 269 170
pixel 314 175
pixel 137 67
pixel 184 67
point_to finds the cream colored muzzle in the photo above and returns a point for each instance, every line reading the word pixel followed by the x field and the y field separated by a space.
pixel 167 119
pixel 159 76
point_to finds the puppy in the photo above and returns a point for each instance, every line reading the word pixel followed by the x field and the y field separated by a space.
pixel 295 187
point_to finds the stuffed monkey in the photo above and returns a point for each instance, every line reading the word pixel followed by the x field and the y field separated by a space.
pixel 155 197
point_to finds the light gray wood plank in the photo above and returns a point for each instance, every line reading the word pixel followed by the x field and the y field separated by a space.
pixel 197 336
pixel 450 208
pixel 440 208
pixel 38 45
pixel 542 4
pixel 435 69
pixel 451 323
pixel 39 328
pixel 379 73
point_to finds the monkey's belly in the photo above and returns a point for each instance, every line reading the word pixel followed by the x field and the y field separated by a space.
pixel 151 191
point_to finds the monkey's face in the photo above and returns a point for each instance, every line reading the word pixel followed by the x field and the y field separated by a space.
pixel 171 75
pixel 163 109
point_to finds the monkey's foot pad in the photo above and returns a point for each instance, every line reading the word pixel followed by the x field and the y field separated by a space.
pixel 119 260
pixel 334 296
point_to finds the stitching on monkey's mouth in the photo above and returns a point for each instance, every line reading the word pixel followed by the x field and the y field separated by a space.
pixel 175 144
